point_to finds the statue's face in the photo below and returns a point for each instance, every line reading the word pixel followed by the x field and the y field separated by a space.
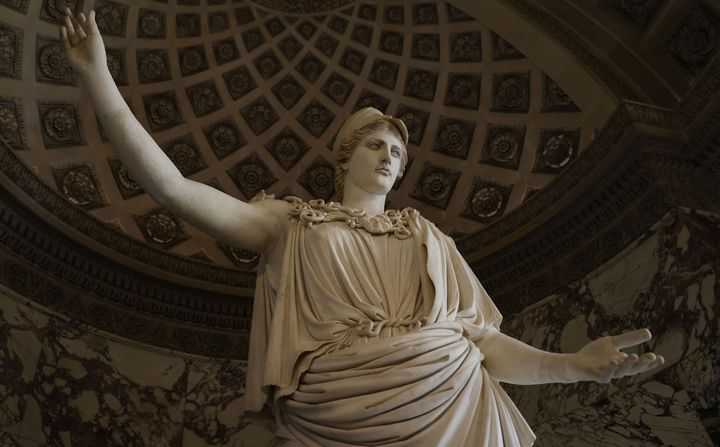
pixel 375 163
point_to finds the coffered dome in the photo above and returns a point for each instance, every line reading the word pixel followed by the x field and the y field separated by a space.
pixel 247 96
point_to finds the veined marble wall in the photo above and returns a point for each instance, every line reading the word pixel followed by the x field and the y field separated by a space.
pixel 66 385
pixel 63 385
pixel 666 281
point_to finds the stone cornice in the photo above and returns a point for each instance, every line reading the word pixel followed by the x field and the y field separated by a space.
pixel 44 265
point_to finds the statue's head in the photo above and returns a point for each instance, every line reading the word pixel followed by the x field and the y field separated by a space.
pixel 359 127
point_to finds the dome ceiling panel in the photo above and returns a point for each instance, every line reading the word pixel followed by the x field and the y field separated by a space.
pixel 249 96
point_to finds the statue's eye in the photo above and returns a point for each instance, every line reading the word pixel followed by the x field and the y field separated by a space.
pixel 396 153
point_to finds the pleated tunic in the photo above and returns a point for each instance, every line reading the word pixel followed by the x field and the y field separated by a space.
pixel 371 335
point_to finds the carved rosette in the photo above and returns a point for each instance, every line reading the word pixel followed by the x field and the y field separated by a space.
pixel 267 64
pixel 162 110
pixel 259 115
pixel 239 82
pixel 463 90
pixel 160 227
pixel 111 18
pixel 218 21
pixel 425 14
pixel 192 60
pixel 319 179
pixel 486 200
pixel 327 44
pixel 338 24
pixel 80 186
pixel 310 67
pixel 290 47
pixel 394 14
pixel 391 42
pixel 466 47
pixel 153 65
pixel 557 147
pixel 252 39
pixel 435 185
pixel 60 124
pixel 242 258
pixel 251 175
pixel 511 92
pixel 52 65
pixel 454 137
pixel 316 118
pixel 503 146
pixel 425 46
pixel 287 148
pixel 337 88
pixel 353 60
pixel 306 29
pixel 204 98
pixel 421 84
pixel 288 91
pixel 362 34
pixel 384 73
pixel 225 50
pixel 695 39
pixel 187 25
pixel 151 24
pixel 224 137
pixel 274 26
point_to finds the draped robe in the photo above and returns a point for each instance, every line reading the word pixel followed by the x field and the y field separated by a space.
pixel 371 334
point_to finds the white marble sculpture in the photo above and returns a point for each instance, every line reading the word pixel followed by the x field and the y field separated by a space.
pixel 369 328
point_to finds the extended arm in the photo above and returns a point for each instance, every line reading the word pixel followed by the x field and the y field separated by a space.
pixel 244 225
pixel 510 360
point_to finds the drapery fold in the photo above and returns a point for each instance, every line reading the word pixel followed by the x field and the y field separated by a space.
pixel 413 377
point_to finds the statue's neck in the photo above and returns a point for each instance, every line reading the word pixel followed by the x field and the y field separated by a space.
pixel 354 197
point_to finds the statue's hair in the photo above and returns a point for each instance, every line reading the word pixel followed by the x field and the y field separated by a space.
pixel 348 146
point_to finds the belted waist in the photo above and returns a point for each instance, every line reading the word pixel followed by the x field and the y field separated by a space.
pixel 371 328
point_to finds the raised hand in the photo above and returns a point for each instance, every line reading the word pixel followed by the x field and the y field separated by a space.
pixel 83 43
pixel 601 360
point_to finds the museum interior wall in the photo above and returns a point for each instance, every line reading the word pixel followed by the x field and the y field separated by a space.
pixel 572 151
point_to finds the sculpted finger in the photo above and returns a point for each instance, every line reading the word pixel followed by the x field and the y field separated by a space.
pixel 631 338
pixel 626 367
pixel 71 31
pixel 92 25
pixel 64 37
pixel 82 26
pixel 659 360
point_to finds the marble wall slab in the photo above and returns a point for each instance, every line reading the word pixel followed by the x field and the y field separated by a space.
pixel 62 384
pixel 666 281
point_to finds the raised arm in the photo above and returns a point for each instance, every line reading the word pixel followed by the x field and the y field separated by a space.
pixel 510 360
pixel 246 225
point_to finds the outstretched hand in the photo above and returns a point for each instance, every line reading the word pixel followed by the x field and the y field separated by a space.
pixel 83 43
pixel 601 360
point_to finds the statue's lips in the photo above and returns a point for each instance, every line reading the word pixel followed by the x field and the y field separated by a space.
pixel 383 171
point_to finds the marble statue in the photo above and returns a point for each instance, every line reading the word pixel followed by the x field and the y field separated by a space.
pixel 369 328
